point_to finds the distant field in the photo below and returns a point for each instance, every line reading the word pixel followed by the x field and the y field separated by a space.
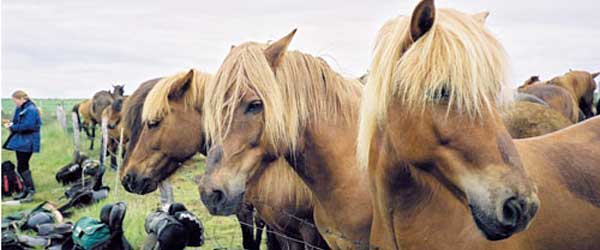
pixel 57 148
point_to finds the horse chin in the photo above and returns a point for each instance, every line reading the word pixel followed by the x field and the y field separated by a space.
pixel 225 208
pixel 489 225
pixel 150 187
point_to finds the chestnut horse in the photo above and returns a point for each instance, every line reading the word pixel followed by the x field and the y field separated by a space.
pixel 84 119
pixel 581 86
pixel 170 133
pixel 557 97
pixel 112 114
pixel 524 119
pixel 265 103
pixel 91 110
pixel 442 166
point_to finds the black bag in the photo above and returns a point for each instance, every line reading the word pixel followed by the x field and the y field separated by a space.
pixel 10 241
pixel 173 230
pixel 11 181
pixel 113 215
pixel 77 169
pixel 85 193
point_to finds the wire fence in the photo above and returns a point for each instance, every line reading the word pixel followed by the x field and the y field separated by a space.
pixel 112 147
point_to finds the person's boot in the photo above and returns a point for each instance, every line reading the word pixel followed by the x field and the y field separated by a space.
pixel 29 187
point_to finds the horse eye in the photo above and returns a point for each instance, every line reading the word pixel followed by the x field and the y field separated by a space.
pixel 153 124
pixel 254 107
pixel 441 95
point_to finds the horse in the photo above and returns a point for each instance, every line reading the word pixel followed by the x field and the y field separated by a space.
pixel 118 91
pixel 581 86
pixel 557 97
pixel 92 110
pixel 175 102
pixel 112 115
pixel 524 119
pixel 265 103
pixel 84 118
pixel 444 171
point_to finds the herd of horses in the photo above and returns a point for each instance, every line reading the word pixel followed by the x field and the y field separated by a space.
pixel 426 152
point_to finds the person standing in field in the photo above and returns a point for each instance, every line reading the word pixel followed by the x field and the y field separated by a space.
pixel 24 139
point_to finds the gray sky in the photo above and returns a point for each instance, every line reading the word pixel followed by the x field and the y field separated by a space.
pixel 73 48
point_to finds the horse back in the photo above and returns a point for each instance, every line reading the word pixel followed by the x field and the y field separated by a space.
pixel 557 97
pixel 574 154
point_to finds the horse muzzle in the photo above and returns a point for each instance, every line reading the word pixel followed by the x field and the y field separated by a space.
pixel 514 216
pixel 138 184
pixel 219 202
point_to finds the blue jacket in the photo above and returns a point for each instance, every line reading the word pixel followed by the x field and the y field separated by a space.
pixel 25 130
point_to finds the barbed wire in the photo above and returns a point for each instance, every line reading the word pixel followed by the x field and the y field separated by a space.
pixel 358 243
pixel 117 153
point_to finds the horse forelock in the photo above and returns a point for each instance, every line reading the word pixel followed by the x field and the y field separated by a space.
pixel 157 103
pixel 302 90
pixel 458 55
pixel 132 111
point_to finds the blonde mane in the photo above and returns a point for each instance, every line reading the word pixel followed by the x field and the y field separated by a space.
pixel 303 90
pixel 458 55
pixel 279 178
pixel 156 104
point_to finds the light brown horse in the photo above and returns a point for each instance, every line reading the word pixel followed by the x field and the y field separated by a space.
pixel 112 115
pixel 445 173
pixel 84 118
pixel 581 86
pixel 557 97
pixel 267 102
pixel 171 134
pixel 525 119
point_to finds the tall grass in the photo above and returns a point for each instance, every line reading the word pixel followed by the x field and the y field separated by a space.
pixel 56 151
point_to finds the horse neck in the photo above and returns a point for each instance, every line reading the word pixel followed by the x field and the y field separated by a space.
pixel 325 157
pixel 409 205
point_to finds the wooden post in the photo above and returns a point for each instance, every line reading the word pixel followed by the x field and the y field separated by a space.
pixel 104 148
pixel 76 137
pixel 119 162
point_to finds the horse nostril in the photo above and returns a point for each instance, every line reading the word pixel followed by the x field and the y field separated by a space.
pixel 217 197
pixel 512 212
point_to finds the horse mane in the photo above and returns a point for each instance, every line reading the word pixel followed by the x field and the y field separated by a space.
pixel 301 90
pixel 277 177
pixel 457 56
pixel 157 104
pixel 132 110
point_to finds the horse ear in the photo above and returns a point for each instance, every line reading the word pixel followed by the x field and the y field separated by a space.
pixel 274 53
pixel 181 85
pixel 594 75
pixel 422 19
pixel 481 16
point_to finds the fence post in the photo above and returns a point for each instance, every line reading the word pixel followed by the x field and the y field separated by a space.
pixel 119 161
pixel 104 143
pixel 76 137
pixel 61 117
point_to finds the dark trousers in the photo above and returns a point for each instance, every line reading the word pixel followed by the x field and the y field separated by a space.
pixel 23 169
pixel 23 161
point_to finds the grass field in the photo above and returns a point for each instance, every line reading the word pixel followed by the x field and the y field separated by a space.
pixel 57 148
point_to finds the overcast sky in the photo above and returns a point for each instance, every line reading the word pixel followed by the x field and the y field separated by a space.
pixel 73 48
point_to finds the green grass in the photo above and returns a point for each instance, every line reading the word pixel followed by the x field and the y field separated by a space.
pixel 56 151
